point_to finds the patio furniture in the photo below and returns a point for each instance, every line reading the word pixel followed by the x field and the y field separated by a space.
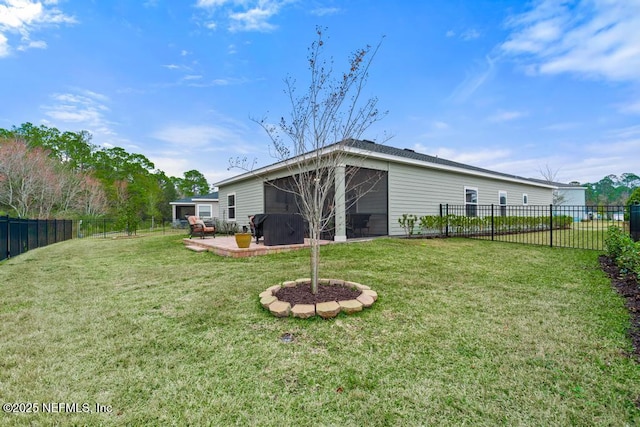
pixel 256 222
pixel 199 228
pixel 278 229
pixel 359 224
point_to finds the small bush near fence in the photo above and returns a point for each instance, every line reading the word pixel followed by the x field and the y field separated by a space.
pixel 459 224
pixel 623 250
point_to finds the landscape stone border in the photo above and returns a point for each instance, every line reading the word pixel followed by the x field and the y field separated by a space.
pixel 326 310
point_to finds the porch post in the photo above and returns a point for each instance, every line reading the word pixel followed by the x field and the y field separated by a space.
pixel 340 214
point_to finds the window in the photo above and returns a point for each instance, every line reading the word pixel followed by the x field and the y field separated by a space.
pixel 502 201
pixel 203 211
pixel 231 207
pixel 525 199
pixel 471 201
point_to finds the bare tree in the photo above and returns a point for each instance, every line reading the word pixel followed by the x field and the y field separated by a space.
pixel 550 175
pixel 92 199
pixel 313 144
pixel 28 183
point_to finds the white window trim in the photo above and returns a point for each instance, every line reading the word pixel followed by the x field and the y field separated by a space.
pixel 471 203
pixel 234 206
pixel 525 199
pixel 465 195
pixel 199 215
pixel 506 199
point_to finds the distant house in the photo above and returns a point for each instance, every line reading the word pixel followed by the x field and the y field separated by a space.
pixel 570 199
pixel 410 183
pixel 203 206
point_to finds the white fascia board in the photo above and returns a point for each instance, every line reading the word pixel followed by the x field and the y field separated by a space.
pixel 379 156
pixel 263 171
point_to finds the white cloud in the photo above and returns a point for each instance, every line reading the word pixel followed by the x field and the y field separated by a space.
pixel 86 110
pixel 563 126
pixel 243 15
pixel 473 82
pixel 172 165
pixel 506 116
pixel 632 107
pixel 213 137
pixel 440 125
pixel 4 46
pixel 466 35
pixel 470 34
pixel 594 39
pixel 478 158
pixel 255 19
pixel 24 17
pixel 325 11
pixel 624 133
pixel 214 3
pixel 39 44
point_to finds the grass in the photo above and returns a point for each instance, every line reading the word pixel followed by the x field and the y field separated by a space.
pixel 582 235
pixel 464 332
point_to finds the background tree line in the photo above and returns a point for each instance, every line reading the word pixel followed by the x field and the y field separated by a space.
pixel 613 190
pixel 46 173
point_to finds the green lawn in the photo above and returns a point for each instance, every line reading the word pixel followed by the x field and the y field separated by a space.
pixel 464 332
pixel 583 235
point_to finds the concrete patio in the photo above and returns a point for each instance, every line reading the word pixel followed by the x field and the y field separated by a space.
pixel 226 246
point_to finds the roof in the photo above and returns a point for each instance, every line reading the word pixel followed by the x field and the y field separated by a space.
pixel 211 197
pixel 561 185
pixel 385 152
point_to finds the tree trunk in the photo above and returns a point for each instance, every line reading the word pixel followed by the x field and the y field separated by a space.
pixel 315 259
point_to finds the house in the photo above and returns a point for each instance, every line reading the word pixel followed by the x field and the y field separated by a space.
pixel 569 199
pixel 409 183
pixel 204 206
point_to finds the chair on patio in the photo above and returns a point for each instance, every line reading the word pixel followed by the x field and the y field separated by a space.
pixel 199 228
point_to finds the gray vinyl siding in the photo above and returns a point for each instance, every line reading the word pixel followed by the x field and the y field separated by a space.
pixel 412 189
pixel 249 200
pixel 420 191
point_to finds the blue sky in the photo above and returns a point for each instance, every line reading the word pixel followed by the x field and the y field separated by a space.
pixel 513 86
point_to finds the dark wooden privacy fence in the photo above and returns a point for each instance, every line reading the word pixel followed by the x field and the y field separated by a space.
pixel 19 235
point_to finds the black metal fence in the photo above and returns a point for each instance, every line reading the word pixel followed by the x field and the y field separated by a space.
pixel 20 235
pixel 104 228
pixel 581 227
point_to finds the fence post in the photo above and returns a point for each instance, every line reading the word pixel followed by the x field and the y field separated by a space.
pixel 104 228
pixel 551 225
pixel 446 213
pixel 634 221
pixel 492 223
pixel 4 232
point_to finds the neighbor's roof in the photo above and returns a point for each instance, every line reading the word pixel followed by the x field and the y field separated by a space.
pixel 211 197
pixel 370 149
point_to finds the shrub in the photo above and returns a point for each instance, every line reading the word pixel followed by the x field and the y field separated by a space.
pixel 226 227
pixel 614 242
pixel 629 258
pixel 623 250
pixel 408 222
pixel 432 224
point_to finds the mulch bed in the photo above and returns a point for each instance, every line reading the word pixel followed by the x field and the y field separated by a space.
pixel 628 287
pixel 301 294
